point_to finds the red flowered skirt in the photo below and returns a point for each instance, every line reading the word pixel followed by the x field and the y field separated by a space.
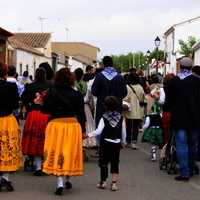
pixel 166 126
pixel 34 133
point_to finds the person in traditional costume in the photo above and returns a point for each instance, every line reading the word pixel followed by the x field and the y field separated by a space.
pixel 152 130
pixel 85 89
pixel 10 138
pixel 35 124
pixel 63 135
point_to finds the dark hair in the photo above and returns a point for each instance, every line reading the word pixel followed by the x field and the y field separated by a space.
pixel 3 69
pixel 79 74
pixel 25 74
pixel 155 79
pixel 111 103
pixel 63 78
pixel 132 69
pixel 40 74
pixel 133 79
pixel 167 78
pixel 49 71
pixel 107 61
pixel 11 70
pixel 31 77
pixel 196 70
pixel 88 68
pixel 99 69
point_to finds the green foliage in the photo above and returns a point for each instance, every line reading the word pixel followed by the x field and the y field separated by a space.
pixel 123 63
pixel 186 47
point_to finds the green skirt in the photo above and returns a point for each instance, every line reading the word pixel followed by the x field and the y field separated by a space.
pixel 153 135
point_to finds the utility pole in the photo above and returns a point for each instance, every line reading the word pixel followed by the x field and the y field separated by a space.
pixel 40 18
pixel 67 32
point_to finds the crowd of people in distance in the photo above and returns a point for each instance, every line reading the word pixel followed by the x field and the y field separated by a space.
pixel 68 112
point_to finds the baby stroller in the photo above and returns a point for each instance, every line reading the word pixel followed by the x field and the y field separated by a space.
pixel 169 159
pixel 29 162
pixel 168 156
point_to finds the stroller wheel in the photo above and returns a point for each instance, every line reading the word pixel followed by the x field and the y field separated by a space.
pixel 196 169
pixel 162 163
pixel 175 169
pixel 169 168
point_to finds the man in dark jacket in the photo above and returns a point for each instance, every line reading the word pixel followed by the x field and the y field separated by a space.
pixel 108 83
pixel 185 117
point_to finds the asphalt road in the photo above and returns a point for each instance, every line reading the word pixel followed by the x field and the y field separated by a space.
pixel 139 179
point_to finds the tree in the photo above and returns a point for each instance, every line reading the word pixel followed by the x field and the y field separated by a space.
pixel 186 47
pixel 123 63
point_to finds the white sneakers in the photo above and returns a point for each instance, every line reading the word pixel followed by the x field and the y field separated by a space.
pixel 103 185
pixel 113 186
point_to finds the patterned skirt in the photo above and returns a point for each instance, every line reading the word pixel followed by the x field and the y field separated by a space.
pixel 166 126
pixel 153 135
pixel 90 126
pixel 10 144
pixel 63 148
pixel 34 133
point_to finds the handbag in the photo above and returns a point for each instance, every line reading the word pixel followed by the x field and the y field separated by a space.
pixel 141 103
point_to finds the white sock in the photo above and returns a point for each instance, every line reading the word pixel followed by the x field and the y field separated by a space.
pixel 68 179
pixel 153 151
pixel 60 181
pixel 6 175
pixel 38 162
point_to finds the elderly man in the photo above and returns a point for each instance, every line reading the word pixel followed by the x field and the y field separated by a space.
pixel 185 117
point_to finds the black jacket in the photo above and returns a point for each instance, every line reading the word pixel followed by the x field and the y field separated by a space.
pixel 185 102
pixel 9 100
pixel 65 102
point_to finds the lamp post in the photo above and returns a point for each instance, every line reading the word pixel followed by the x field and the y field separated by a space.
pixel 157 44
pixel 148 55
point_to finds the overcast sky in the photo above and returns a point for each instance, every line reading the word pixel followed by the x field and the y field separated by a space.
pixel 114 26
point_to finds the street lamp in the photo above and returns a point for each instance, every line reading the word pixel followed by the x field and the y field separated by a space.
pixel 148 55
pixel 157 44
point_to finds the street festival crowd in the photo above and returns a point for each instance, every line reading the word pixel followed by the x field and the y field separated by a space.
pixel 68 112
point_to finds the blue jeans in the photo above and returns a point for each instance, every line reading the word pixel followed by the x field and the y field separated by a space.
pixel 186 150
pixel 132 130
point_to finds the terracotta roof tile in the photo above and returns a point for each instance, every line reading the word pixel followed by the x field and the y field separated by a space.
pixel 19 45
pixel 36 40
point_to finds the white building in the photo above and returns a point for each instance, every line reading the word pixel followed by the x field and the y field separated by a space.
pixel 172 36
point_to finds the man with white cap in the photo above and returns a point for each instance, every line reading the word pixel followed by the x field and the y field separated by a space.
pixel 185 117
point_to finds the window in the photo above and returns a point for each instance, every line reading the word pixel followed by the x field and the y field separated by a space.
pixel 20 69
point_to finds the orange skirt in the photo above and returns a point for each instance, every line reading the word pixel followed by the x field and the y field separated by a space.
pixel 63 147
pixel 10 144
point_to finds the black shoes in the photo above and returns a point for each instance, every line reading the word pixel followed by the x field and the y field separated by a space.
pixel 181 178
pixel 68 185
pixel 59 191
pixel 7 184
pixel 38 173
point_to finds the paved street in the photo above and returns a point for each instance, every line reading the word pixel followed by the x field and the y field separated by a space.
pixel 139 179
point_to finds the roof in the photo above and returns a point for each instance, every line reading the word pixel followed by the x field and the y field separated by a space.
pixel 82 59
pixel 196 46
pixel 76 48
pixel 35 40
pixel 19 45
pixel 175 25
pixel 5 33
